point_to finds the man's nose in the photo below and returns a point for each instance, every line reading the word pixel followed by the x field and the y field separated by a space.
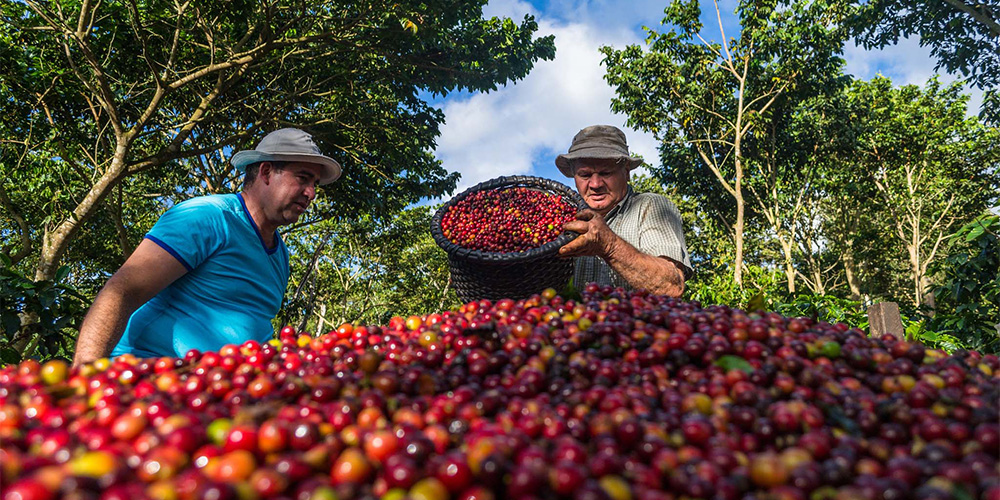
pixel 310 192
pixel 595 182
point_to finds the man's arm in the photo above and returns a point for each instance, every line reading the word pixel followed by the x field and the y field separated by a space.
pixel 659 275
pixel 147 271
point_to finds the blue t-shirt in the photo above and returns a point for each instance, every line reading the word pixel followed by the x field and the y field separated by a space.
pixel 233 287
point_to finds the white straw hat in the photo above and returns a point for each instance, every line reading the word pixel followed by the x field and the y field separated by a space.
pixel 289 145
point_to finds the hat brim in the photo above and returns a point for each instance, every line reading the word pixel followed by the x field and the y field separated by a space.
pixel 330 168
pixel 565 161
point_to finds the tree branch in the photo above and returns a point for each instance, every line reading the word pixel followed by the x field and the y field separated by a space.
pixel 250 56
pixel 715 170
pixel 21 224
pixel 173 149
pixel 175 42
pixel 722 31
pixel 990 23
pixel 143 37
pixel 103 92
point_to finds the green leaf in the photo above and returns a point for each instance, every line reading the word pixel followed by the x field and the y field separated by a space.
pixel 11 323
pixel 961 493
pixel 62 273
pixel 837 417
pixel 730 362
pixel 570 292
pixel 47 297
pixel 757 303
pixel 9 355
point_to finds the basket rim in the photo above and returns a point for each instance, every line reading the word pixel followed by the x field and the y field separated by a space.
pixel 454 250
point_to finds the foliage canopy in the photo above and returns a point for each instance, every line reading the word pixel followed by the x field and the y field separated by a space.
pixel 146 100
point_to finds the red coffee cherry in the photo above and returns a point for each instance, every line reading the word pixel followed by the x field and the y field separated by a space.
pixel 506 220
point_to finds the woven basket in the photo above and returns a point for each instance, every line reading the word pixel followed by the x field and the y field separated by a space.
pixel 476 274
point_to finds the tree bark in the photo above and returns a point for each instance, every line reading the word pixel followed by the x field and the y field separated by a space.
pixel 928 298
pixel 117 214
pixel 22 226
pixel 738 271
pixel 820 286
pixel 321 320
pixel 918 288
pixel 847 257
pixel 55 242
pixel 980 17
pixel 738 191
pixel 786 248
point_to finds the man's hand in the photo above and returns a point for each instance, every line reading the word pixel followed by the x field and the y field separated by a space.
pixel 654 273
pixel 596 238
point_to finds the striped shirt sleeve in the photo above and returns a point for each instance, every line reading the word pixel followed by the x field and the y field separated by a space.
pixel 661 232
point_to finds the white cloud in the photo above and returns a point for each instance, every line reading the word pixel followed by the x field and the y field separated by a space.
pixel 514 9
pixel 520 128
pixel 906 63
pixel 613 15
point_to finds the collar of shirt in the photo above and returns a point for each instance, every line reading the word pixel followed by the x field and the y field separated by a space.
pixel 620 206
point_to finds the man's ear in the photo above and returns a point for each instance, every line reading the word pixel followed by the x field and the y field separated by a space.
pixel 265 171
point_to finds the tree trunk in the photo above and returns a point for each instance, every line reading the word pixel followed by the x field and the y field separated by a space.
pixel 849 269
pixel 786 249
pixel 918 285
pixel 928 294
pixel 321 322
pixel 817 270
pixel 55 242
pixel 738 270
pixel 119 218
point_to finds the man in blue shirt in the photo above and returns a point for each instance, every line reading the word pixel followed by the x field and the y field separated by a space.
pixel 213 270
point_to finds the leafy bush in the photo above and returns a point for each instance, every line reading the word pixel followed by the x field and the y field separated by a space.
pixel 761 288
pixel 366 270
pixel 917 330
pixel 826 308
pixel 967 303
pixel 834 309
pixel 38 319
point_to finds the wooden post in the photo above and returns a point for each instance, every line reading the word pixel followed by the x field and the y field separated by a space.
pixel 884 318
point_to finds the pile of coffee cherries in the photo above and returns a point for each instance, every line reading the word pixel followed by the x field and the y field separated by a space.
pixel 612 396
pixel 506 220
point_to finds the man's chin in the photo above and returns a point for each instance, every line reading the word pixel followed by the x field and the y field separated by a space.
pixel 292 216
pixel 598 204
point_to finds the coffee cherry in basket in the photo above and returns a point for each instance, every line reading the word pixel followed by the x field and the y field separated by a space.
pixel 506 220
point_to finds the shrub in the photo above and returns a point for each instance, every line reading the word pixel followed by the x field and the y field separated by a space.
pixel 761 288
pixel 38 319
pixel 827 308
pixel 967 303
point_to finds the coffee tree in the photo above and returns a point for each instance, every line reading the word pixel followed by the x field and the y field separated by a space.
pixel 98 94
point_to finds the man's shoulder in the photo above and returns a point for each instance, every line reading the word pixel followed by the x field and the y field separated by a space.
pixel 218 201
pixel 213 205
pixel 648 196
pixel 653 208
pixel 646 200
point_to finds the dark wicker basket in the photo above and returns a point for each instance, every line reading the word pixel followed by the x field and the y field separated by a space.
pixel 489 275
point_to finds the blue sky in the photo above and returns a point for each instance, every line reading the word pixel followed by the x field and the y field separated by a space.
pixel 520 128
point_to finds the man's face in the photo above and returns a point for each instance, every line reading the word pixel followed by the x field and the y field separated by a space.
pixel 291 190
pixel 601 183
